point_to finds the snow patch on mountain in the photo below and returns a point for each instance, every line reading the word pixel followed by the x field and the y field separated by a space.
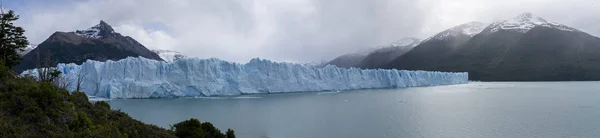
pixel 407 43
pixel 526 22
pixel 95 31
pixel 27 49
pixel 472 28
pixel 89 33
pixel 316 64
pixel 191 77
pixel 469 29
pixel 168 55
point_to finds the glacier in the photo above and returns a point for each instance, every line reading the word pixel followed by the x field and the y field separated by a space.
pixel 137 77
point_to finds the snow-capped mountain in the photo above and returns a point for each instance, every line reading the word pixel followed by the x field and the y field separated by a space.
pixel 526 22
pixel 99 42
pixel 169 55
pixel 524 48
pixel 145 78
pixel 27 49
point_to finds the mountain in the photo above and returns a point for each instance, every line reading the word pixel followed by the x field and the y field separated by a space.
pixel 168 55
pixel 383 56
pixel 524 48
pixel 99 42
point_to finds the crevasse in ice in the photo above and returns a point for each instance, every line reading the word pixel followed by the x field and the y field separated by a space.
pixel 190 77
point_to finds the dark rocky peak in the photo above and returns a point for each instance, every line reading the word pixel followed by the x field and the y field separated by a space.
pixel 104 27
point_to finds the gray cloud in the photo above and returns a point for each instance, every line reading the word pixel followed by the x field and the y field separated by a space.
pixel 290 30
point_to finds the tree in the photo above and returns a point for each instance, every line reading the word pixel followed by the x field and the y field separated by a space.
pixel 230 133
pixel 12 38
pixel 45 68
pixel 193 128
pixel 189 129
pixel 80 78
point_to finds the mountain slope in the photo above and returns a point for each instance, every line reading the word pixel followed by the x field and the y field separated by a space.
pixel 375 57
pixel 27 49
pixel 99 43
pixel 525 48
pixel 384 55
pixel 347 60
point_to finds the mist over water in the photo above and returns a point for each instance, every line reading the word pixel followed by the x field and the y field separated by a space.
pixel 478 109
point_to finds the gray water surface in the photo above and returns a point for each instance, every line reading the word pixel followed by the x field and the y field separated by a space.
pixel 478 109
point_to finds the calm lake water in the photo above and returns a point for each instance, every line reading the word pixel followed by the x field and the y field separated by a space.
pixel 478 109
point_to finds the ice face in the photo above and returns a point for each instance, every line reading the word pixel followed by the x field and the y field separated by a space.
pixel 145 78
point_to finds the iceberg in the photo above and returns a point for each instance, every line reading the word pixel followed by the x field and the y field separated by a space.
pixel 137 77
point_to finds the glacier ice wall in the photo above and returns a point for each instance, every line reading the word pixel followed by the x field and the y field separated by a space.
pixel 145 78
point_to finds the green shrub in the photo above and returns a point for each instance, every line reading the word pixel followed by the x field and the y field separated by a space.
pixel 192 128
pixel 230 133
pixel 189 129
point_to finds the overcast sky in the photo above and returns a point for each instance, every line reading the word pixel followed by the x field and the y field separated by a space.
pixel 284 30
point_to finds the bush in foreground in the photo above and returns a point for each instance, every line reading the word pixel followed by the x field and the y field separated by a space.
pixel 194 129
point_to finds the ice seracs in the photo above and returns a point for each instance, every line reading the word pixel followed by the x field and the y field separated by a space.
pixel 526 22
pixel 190 77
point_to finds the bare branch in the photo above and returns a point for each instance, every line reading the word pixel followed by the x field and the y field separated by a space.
pixel 80 78
pixel 45 68
pixel 2 6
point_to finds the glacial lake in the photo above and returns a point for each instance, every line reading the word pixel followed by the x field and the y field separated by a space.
pixel 477 109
